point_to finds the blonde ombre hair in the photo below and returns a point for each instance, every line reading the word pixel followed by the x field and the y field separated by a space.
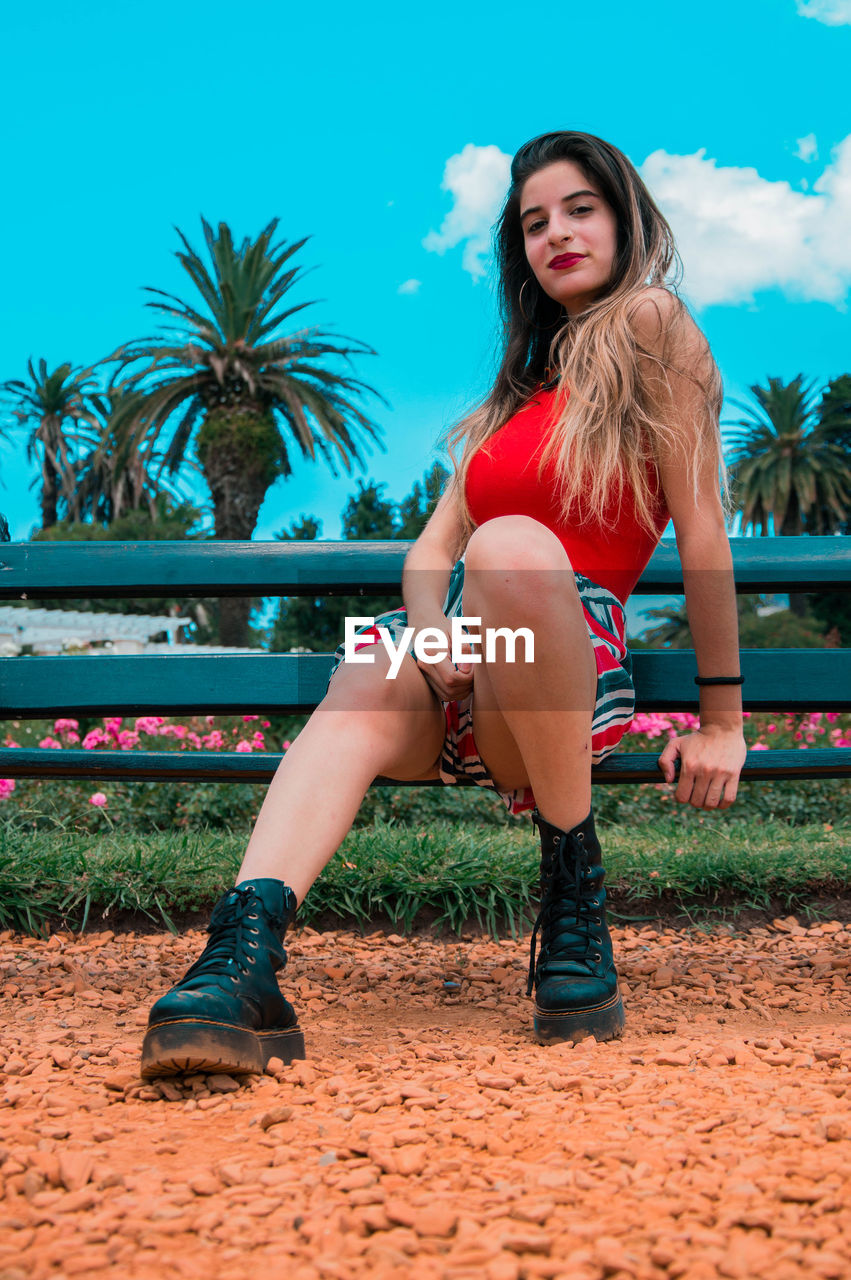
pixel 618 417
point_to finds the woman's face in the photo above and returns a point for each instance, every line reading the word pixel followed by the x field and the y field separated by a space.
pixel 570 234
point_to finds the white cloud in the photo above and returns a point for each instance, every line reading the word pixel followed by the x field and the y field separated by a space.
pixel 477 178
pixel 836 13
pixel 409 286
pixel 807 148
pixel 738 232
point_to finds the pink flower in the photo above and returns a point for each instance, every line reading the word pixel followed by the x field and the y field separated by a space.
pixel 63 726
pixel 243 746
pixel 831 716
pixel 95 738
pixel 52 743
pixel 267 724
pixel 149 724
pixel 214 741
pixel 7 786
pixel 128 739
pixel 652 726
pixel 759 746
pixel 772 728
pixel 112 725
pixel 258 740
pixel 178 731
pixel 798 736
pixel 285 746
pixel 246 719
pixel 10 742
pixel 98 800
pixel 194 740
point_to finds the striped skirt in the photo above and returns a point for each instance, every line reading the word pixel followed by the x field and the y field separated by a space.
pixel 613 712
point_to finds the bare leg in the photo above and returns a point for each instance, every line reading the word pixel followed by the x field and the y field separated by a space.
pixel 365 726
pixel 532 721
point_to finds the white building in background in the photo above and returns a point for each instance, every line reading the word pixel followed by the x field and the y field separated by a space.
pixel 56 631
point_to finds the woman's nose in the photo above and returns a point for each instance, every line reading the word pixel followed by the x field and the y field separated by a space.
pixel 559 230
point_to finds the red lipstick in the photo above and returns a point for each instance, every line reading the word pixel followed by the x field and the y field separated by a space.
pixel 565 260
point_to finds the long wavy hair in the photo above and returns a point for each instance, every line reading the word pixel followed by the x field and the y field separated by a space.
pixel 614 414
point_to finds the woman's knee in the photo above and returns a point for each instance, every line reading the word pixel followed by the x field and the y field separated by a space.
pixel 373 686
pixel 515 542
pixel 516 562
pixel 403 713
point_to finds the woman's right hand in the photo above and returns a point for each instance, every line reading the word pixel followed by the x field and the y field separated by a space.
pixel 451 683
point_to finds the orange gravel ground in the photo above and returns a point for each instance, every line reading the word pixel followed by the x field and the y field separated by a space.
pixel 428 1135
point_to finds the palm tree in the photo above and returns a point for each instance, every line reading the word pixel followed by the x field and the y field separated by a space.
pixel 119 473
pixel 790 463
pixel 672 629
pixel 46 405
pixel 227 370
pixel 834 411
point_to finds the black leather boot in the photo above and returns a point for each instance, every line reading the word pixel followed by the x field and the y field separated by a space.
pixel 227 1013
pixel 576 985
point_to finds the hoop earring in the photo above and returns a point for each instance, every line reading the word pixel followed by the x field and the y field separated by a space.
pixel 540 327
pixel 520 303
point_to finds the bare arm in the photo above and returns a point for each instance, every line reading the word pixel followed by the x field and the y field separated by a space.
pixel 711 759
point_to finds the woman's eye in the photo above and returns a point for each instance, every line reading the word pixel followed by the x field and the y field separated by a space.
pixel 534 226
pixel 582 208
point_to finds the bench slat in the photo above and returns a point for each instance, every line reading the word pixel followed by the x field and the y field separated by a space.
pixel 108 570
pixel 256 766
pixel 775 680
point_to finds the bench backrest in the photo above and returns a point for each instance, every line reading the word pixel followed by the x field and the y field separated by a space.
pixel 776 680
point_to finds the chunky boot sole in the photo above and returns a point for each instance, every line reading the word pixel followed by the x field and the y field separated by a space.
pixel 193 1045
pixel 602 1021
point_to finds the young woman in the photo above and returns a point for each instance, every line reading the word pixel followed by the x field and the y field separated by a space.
pixel 601 426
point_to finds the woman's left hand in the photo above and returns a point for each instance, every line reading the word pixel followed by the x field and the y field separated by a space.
pixel 710 763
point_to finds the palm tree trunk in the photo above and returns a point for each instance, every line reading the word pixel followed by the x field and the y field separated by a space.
pixel 791 527
pixel 49 494
pixel 238 451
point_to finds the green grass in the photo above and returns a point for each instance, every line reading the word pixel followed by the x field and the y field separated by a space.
pixel 445 872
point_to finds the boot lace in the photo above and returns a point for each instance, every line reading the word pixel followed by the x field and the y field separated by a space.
pixel 229 942
pixel 568 909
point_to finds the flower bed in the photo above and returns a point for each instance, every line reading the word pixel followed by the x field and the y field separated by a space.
pixel 159 805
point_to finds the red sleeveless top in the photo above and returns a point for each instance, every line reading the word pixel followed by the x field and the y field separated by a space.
pixel 612 549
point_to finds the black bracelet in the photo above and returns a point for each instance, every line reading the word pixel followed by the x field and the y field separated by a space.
pixel 719 679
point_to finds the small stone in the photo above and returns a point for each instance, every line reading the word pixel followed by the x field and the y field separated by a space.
pixel 75 1169
pixel 526 1241
pixel 222 1084
pixel 435 1220
pixel 170 1091
pixel 277 1115
pixel 489 1081
pixel 204 1184
pixel 411 1160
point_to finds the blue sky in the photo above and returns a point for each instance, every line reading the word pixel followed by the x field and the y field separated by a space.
pixel 384 133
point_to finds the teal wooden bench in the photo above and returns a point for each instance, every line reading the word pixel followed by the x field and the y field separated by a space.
pixel 170 684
